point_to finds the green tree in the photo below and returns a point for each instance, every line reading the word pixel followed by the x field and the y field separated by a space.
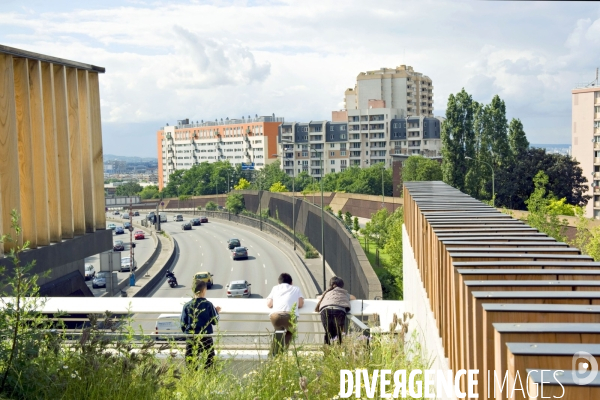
pixel 128 189
pixel 277 187
pixel 348 219
pixel 376 228
pixel 340 214
pixel 150 192
pixel 560 207
pixel 540 216
pixel 517 139
pixel 457 138
pixel 356 225
pixel 243 184
pixel 211 206
pixel 419 168
pixel 235 203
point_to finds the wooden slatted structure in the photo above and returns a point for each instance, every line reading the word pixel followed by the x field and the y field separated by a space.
pixel 51 168
pixel 481 268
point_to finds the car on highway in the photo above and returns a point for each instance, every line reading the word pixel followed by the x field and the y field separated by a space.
pixel 240 253
pixel 238 289
pixel 136 214
pixel 119 245
pixel 196 222
pixel 233 243
pixel 178 218
pixel 126 224
pixel 163 217
pixel 167 325
pixel 138 235
pixel 203 219
pixel 90 272
pixel 150 216
pixel 116 213
pixel 186 226
pixel 99 280
pixel 119 230
pixel 125 216
pixel 204 276
pixel 111 227
pixel 126 264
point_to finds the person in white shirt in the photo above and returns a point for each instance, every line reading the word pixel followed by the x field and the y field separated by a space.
pixel 282 299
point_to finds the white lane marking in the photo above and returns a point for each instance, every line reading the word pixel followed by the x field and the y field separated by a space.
pixel 251 246
pixel 258 254
pixel 202 253
pixel 265 281
pixel 232 268
pixel 201 264
pixel 264 266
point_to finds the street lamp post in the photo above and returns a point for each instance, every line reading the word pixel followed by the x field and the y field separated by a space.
pixel 382 186
pixel 492 169
pixel 322 216
pixel 293 194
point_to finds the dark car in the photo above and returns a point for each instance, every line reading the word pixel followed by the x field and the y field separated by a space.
pixel 186 226
pixel 119 230
pixel 119 246
pixel 196 222
pixel 240 253
pixel 233 243
pixel 136 214
pixel 203 219
pixel 126 224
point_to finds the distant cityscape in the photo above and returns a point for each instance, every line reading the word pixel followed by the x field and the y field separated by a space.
pixel 564 149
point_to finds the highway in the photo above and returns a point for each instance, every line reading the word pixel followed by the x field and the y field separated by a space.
pixel 204 248
pixel 143 251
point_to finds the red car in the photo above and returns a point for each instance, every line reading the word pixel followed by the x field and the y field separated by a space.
pixel 139 235
pixel 203 219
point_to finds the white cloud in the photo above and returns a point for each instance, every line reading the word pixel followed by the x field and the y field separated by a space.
pixel 206 60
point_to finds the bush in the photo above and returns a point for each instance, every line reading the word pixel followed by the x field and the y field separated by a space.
pixel 211 206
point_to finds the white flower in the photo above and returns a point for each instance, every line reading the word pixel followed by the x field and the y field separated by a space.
pixel 73 376
pixel 65 366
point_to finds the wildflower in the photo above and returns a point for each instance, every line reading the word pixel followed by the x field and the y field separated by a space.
pixel 65 367
pixel 335 397
pixel 73 376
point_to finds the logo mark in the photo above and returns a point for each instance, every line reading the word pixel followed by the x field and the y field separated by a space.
pixel 584 367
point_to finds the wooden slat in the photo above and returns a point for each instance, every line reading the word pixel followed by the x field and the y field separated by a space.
pixel 50 139
pixel 86 150
pixel 25 154
pixel 36 105
pixel 10 199
pixel 75 153
pixel 63 147
pixel 97 157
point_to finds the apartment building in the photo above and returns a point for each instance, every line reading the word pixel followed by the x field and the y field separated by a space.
pixel 245 140
pixel 362 140
pixel 586 129
pixel 399 88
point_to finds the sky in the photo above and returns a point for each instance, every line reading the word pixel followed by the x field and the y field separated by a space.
pixel 170 60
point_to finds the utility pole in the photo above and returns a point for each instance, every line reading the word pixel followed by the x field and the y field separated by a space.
pixel 131 253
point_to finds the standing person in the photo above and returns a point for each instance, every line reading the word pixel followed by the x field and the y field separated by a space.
pixel 198 317
pixel 282 299
pixel 333 305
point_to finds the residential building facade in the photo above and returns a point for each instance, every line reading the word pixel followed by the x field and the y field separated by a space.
pixel 362 140
pixel 398 88
pixel 586 129
pixel 245 140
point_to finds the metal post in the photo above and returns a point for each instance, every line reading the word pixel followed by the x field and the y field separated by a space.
pixel 322 226
pixel 294 206
pixel 131 252
pixel 382 190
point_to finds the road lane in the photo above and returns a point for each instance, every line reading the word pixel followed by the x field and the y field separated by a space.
pixel 204 248
pixel 143 251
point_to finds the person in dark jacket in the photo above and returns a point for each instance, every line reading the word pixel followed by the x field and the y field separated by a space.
pixel 333 306
pixel 198 317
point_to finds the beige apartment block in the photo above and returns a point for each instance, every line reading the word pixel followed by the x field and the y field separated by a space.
pixel 586 139
pixel 399 88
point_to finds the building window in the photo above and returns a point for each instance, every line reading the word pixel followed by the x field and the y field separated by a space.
pixel 332 162
pixel 343 128
pixel 424 141
pixel 332 170
pixel 305 154
pixel 331 128
pixel 331 154
pixel 332 145
pixel 343 136
pixel 343 152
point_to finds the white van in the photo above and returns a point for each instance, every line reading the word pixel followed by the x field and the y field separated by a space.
pixel 178 218
pixel 168 325
pixel 163 217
